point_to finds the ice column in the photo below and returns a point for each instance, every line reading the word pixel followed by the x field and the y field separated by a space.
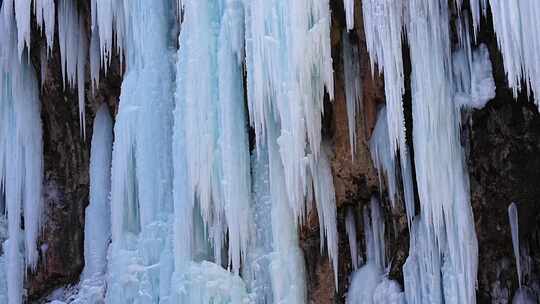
pixel 141 256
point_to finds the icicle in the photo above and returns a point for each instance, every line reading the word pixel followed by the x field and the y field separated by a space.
pixel 514 21
pixel 514 228
pixel 73 52
pixel 210 90
pixel 382 156
pixel 443 184
pixel 23 13
pixel 383 21
pixel 349 13
pixel 325 199
pixel 97 223
pixel 353 86
pixel 21 164
pixel 45 17
pixel 350 227
pixel 289 67
pixel 108 21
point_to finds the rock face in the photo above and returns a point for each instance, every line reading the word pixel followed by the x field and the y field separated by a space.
pixel 503 148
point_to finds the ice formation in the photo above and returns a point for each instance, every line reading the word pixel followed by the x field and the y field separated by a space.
pixel 350 226
pixel 383 23
pixel 353 86
pixel 473 81
pixel 382 156
pixel 195 216
pixel 370 284
pixel 97 223
pixel 21 164
pixel 514 229
pixel 73 51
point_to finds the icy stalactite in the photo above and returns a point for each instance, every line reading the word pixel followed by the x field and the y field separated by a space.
pixel 21 163
pixel 350 227
pixel 383 23
pixel 385 162
pixel 140 261
pixel 325 200
pixel 349 13
pixel 109 23
pixel 353 86
pixel 210 91
pixel 45 11
pixel 289 69
pixel 73 52
pixel 23 14
pixel 382 156
pixel 442 179
pixel 518 35
pixel 514 228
